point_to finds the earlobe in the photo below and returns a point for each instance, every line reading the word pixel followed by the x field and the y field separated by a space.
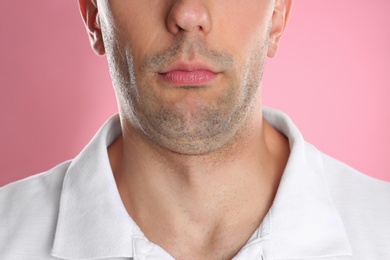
pixel 90 15
pixel 279 21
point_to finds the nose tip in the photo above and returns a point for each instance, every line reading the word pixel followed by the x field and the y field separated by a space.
pixel 189 16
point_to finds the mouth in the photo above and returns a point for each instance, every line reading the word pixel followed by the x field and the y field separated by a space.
pixel 188 75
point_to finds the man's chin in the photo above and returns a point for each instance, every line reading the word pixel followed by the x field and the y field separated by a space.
pixel 193 141
pixel 192 148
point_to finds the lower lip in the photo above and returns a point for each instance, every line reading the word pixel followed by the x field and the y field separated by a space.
pixel 188 78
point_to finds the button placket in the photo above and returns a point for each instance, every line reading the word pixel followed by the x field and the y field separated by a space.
pixel 141 247
pixel 253 251
pixel 146 250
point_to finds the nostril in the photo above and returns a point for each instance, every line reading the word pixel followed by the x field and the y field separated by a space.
pixel 189 16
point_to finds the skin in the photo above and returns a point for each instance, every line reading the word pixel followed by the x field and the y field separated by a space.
pixel 197 167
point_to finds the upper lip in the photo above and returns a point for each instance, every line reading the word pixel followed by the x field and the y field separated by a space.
pixel 187 66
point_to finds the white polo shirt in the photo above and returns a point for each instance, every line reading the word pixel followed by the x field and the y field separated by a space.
pixel 323 210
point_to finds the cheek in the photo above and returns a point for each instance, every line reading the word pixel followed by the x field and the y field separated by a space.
pixel 135 26
pixel 245 26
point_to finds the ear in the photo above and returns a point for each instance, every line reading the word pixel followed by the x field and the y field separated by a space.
pixel 90 15
pixel 279 21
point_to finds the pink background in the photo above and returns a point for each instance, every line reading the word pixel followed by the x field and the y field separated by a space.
pixel 331 76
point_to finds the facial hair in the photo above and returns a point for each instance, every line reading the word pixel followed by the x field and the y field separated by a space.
pixel 206 126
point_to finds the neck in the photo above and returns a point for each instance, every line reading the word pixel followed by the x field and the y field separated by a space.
pixel 205 196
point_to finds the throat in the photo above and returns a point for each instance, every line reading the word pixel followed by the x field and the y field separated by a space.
pixel 198 238
pixel 194 207
pixel 193 221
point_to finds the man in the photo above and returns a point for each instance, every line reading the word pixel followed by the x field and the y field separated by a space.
pixel 193 167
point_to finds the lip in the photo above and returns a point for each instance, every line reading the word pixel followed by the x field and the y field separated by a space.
pixel 188 74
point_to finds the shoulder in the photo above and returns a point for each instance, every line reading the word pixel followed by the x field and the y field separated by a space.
pixel 349 185
pixel 363 203
pixel 28 212
pixel 32 190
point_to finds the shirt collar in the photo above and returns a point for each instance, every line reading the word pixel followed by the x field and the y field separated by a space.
pixel 304 222
pixel 93 223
